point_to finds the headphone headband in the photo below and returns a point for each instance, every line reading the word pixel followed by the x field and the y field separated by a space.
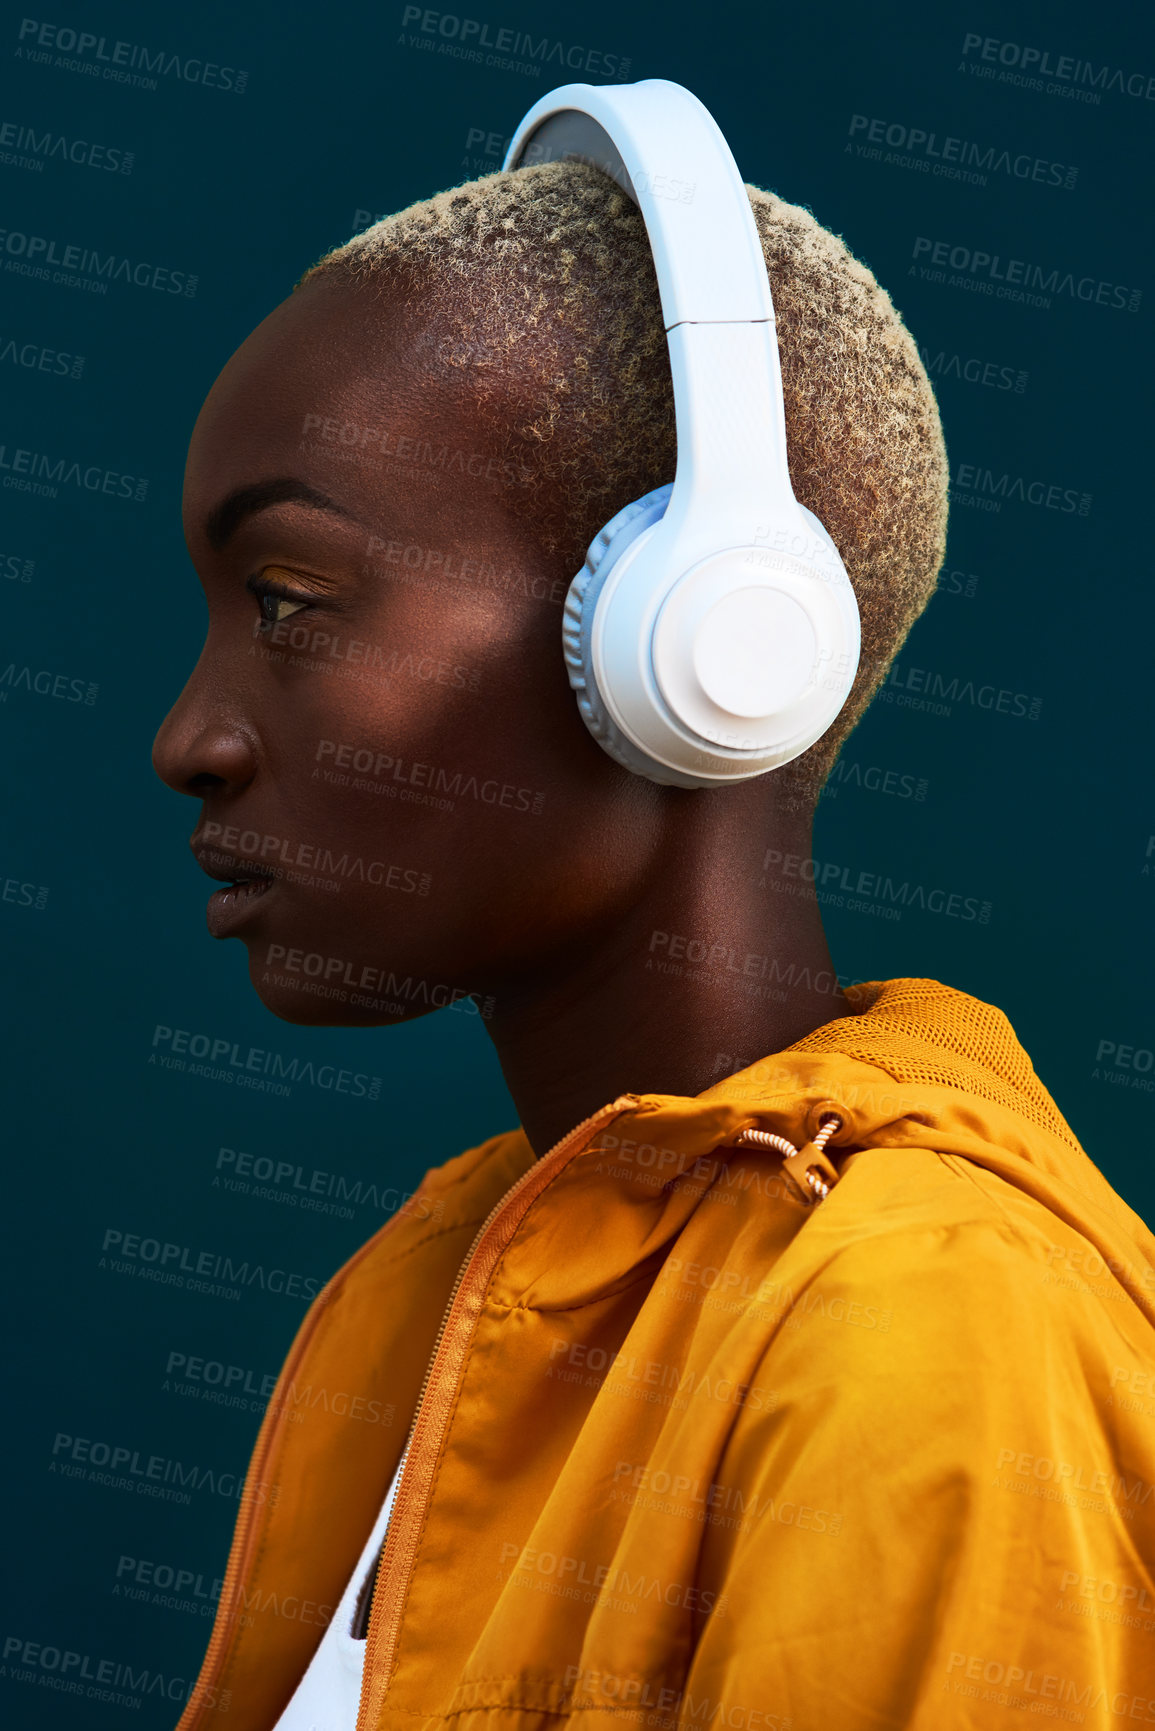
pixel 665 150
pixel 713 633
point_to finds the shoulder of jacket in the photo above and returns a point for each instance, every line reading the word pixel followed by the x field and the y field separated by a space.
pixel 508 1149
pixel 949 1258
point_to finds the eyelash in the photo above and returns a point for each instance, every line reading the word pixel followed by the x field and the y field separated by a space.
pixel 265 590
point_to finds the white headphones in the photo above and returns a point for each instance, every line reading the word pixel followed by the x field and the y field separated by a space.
pixel 712 633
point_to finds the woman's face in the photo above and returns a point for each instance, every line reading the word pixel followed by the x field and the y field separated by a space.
pixel 392 768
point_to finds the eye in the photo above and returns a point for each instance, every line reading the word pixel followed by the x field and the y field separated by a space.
pixel 275 602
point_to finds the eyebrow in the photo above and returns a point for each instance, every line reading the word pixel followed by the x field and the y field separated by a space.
pixel 225 519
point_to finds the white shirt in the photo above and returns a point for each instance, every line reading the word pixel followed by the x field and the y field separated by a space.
pixel 329 1694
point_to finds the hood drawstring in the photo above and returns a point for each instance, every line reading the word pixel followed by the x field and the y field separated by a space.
pixel 809 1169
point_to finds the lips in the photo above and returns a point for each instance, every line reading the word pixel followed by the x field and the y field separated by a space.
pixel 246 884
pixel 227 867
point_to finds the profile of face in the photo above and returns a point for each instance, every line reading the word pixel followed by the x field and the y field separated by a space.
pixel 392 769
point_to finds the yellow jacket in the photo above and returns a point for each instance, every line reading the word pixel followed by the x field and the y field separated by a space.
pixel 694 1454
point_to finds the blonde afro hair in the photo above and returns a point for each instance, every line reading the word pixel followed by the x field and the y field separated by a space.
pixel 540 285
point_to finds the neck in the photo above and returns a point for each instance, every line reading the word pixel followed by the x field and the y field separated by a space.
pixel 720 961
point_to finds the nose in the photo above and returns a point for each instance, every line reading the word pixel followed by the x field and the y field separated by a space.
pixel 203 745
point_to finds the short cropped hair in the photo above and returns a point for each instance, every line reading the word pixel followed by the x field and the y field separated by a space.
pixel 542 284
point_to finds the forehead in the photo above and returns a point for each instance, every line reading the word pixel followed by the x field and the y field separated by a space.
pixel 331 369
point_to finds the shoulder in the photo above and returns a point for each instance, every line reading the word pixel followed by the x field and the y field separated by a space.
pixel 921 1267
pixel 483 1172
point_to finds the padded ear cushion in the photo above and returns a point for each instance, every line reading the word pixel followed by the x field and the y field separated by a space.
pixel 605 550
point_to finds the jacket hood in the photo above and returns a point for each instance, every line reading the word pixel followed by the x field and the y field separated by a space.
pixel 921 1065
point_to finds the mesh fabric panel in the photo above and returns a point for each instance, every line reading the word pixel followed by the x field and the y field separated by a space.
pixel 921 1031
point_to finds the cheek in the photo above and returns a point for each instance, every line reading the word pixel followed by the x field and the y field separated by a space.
pixel 436 766
pixel 436 710
pixel 351 708
pixel 366 771
pixel 400 802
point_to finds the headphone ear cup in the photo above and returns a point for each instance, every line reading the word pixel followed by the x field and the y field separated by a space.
pixel 605 550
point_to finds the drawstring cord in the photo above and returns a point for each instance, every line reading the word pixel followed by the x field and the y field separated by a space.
pixel 809 1169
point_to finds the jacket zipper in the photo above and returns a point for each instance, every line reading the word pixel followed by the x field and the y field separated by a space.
pixel 431 1416
pixel 204 1694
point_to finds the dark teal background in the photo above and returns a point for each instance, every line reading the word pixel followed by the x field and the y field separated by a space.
pixel 1051 820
